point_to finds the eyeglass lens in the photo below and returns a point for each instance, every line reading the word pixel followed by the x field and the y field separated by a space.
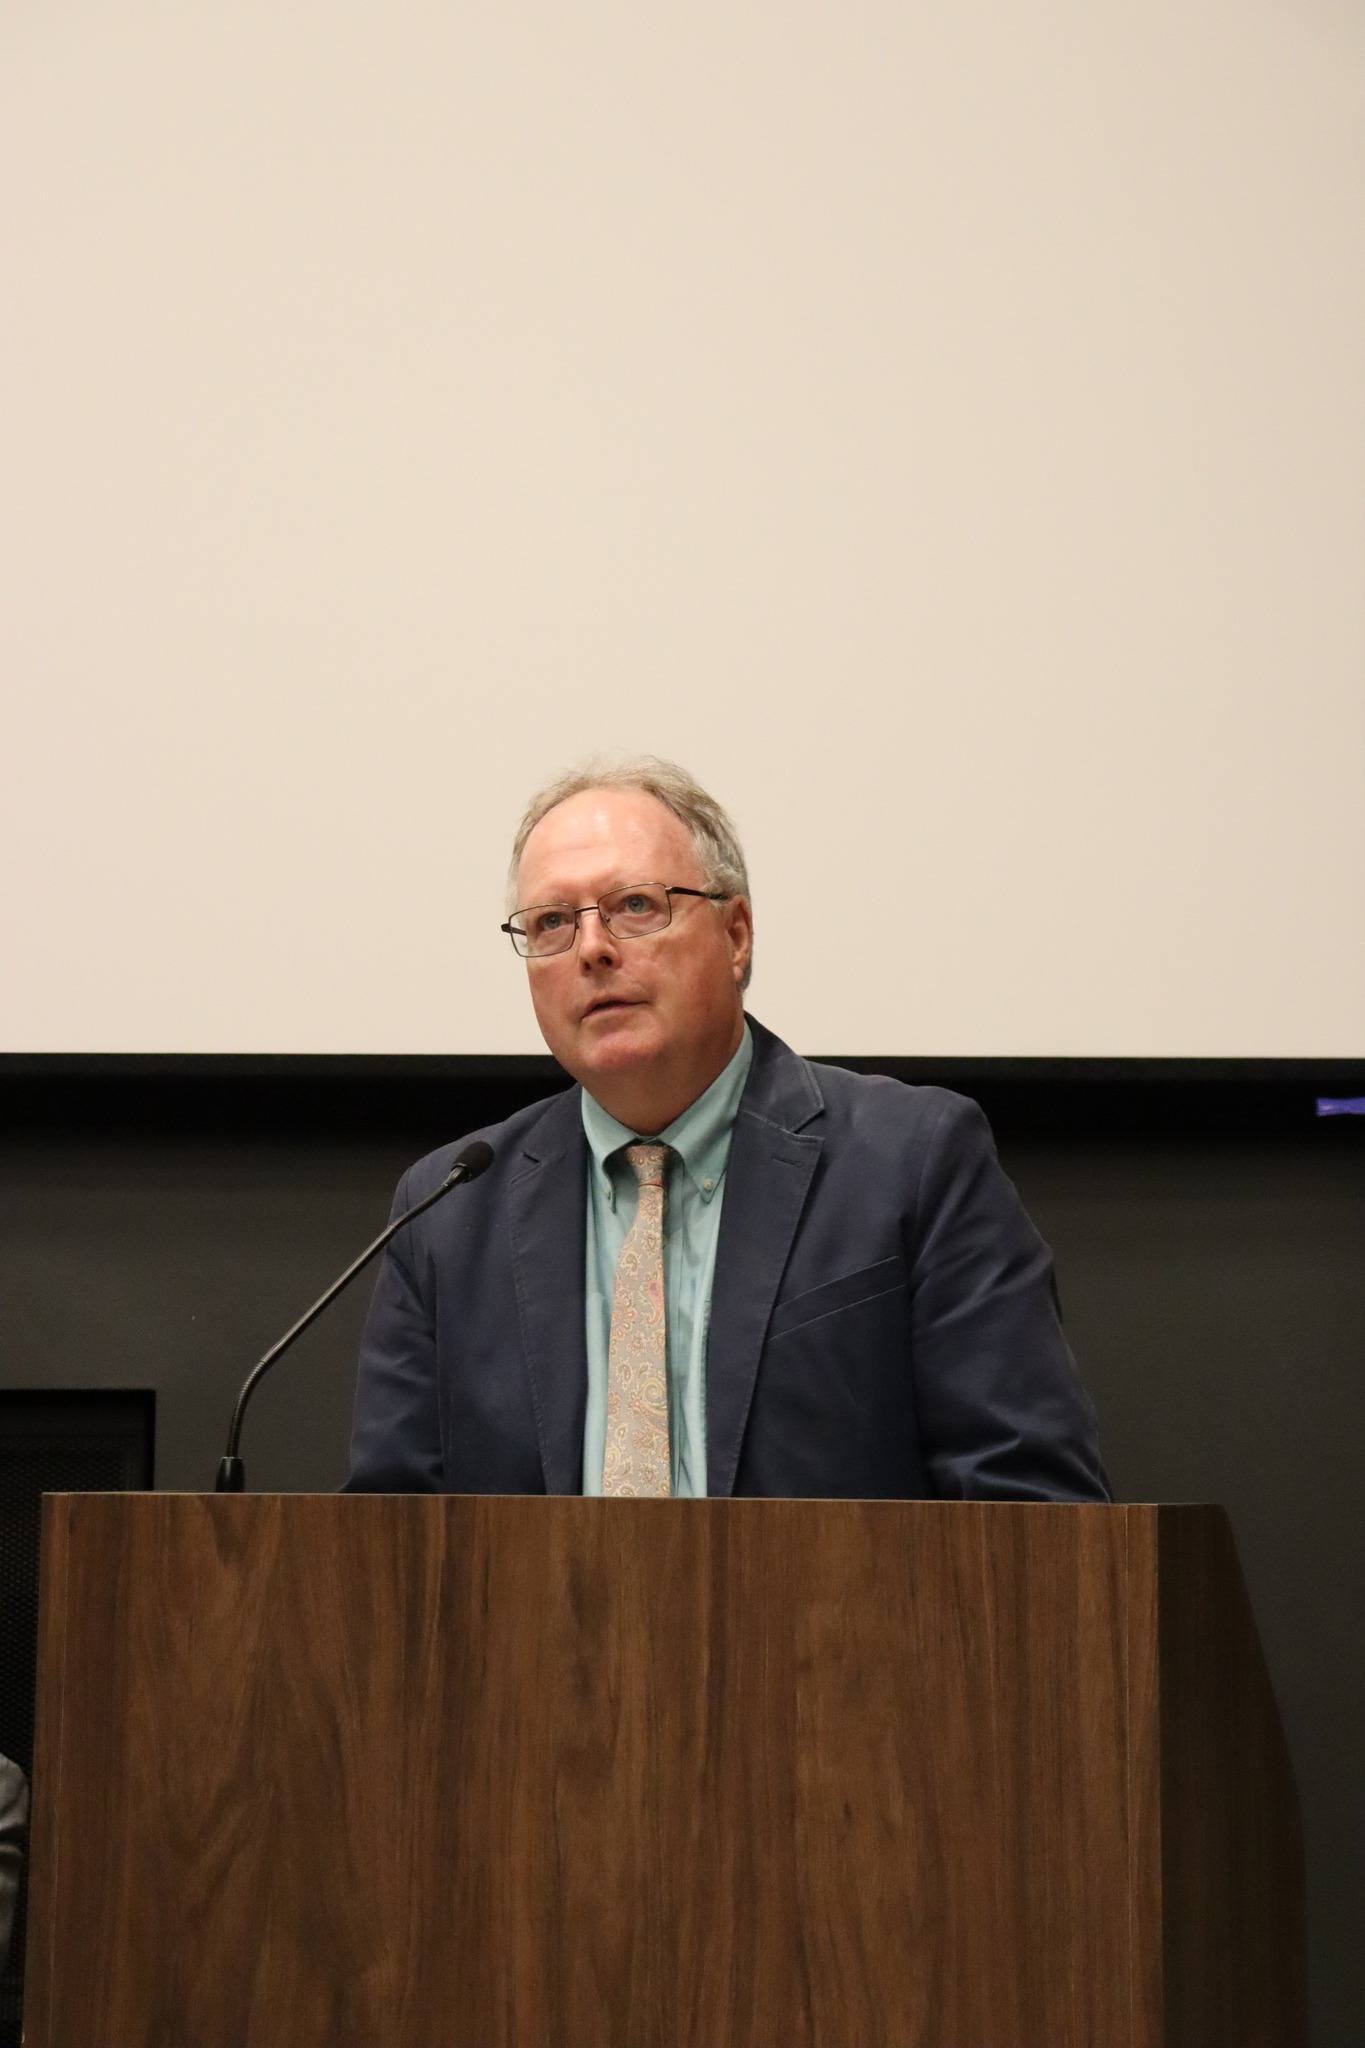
pixel 630 913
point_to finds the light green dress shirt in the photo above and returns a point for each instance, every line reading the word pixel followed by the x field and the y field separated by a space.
pixel 693 1189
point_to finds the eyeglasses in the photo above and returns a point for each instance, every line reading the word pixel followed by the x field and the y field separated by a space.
pixel 630 913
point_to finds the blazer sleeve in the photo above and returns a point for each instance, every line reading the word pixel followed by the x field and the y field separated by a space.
pixel 1001 1409
pixel 13 1822
pixel 396 1430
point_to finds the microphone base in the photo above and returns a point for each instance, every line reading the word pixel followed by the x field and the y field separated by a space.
pixel 231 1476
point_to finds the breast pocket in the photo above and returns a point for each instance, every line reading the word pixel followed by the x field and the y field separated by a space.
pixel 833 1297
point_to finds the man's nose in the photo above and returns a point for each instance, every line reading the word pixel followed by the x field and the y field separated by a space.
pixel 596 946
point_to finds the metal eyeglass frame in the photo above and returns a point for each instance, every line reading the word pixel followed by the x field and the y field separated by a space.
pixel 670 889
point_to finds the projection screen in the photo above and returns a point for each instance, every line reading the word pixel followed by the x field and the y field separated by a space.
pixel 943 430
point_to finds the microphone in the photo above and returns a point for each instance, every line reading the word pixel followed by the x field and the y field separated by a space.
pixel 472 1160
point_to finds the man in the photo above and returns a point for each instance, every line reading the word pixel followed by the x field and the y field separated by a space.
pixel 711 1268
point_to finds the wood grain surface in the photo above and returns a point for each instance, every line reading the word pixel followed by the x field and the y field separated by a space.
pixel 1233 1932
pixel 462 1772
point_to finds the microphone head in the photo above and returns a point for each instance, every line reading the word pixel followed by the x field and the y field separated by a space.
pixel 471 1160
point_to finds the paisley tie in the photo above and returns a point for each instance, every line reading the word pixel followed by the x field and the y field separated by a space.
pixel 637 1461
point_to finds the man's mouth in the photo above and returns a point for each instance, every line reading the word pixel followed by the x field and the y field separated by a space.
pixel 605 1003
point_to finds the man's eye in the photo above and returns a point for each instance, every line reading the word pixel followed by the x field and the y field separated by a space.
pixel 548 921
pixel 635 902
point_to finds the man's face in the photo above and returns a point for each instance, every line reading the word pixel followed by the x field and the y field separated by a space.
pixel 639 1022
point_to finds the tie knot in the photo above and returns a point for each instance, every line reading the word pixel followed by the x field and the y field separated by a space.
pixel 647 1164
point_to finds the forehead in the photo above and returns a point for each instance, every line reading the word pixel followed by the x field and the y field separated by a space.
pixel 602 837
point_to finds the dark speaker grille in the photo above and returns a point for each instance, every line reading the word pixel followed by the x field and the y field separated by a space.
pixel 50 1442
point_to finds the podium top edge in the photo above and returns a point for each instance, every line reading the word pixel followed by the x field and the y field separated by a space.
pixel 744 1503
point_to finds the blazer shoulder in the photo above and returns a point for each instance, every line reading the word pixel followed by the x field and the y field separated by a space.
pixel 539 1130
pixel 913 1107
pixel 798 1094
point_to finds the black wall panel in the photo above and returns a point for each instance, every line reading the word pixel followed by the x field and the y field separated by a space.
pixel 164 1221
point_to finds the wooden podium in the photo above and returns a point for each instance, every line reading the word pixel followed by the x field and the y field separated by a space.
pixel 556 1773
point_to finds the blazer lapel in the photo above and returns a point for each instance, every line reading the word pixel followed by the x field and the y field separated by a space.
pixel 767 1180
pixel 547 1218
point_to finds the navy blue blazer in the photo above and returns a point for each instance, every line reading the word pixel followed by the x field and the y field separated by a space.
pixel 883 1318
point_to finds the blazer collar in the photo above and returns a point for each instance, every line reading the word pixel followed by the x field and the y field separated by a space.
pixel 547 1217
pixel 782 1087
pixel 773 1157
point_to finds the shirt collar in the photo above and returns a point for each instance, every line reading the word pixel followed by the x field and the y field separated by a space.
pixel 700 1136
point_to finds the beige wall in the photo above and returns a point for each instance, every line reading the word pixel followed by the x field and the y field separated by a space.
pixel 944 429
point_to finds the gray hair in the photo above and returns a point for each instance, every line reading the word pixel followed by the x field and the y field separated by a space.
pixel 715 838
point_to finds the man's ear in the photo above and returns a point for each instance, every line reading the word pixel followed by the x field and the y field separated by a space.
pixel 739 928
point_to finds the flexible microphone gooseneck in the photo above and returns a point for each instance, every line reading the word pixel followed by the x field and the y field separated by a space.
pixel 473 1160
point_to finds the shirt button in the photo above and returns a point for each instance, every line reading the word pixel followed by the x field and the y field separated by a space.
pixel 708 1185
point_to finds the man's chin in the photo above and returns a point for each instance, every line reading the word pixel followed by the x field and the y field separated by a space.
pixel 612 1039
